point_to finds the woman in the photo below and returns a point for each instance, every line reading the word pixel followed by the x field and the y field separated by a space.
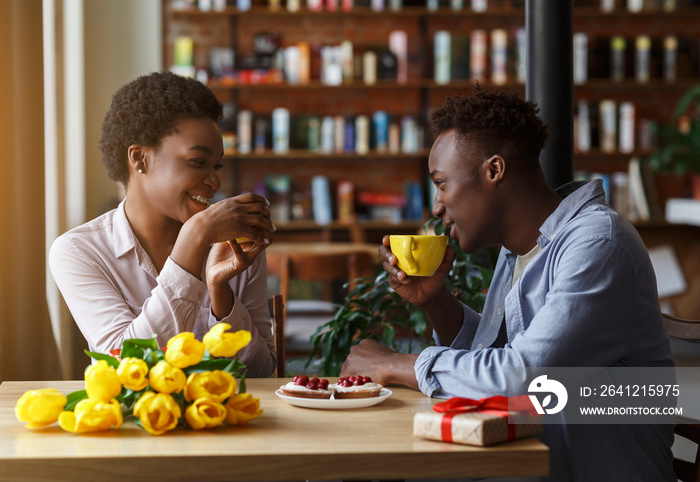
pixel 165 261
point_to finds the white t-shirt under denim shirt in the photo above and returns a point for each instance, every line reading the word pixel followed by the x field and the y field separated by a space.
pixel 589 299
pixel 114 293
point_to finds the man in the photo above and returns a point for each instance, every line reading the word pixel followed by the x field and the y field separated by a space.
pixel 573 286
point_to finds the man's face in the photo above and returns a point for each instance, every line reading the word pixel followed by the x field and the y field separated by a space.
pixel 464 195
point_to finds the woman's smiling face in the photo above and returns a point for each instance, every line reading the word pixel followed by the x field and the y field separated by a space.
pixel 181 175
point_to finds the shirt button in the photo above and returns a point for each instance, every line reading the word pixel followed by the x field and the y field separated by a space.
pixel 500 312
pixel 479 346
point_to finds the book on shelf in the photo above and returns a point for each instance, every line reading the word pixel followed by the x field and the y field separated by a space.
pixel 626 127
pixel 278 188
pixel 607 124
pixel 670 280
pixel 499 56
pixel 398 45
pixel 321 200
pixel 580 58
pixel 683 211
pixel 442 56
pixel 521 55
pixel 643 196
pixel 477 54
pixel 582 127
pixel 346 201
pixel 459 57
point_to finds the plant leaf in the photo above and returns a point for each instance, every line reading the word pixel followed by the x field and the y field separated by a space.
pixel 111 361
pixel 73 398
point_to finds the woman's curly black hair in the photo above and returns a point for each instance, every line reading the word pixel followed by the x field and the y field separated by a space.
pixel 494 123
pixel 146 110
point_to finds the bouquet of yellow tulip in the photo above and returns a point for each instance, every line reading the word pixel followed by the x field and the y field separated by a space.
pixel 190 377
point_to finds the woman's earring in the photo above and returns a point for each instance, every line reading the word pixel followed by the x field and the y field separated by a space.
pixel 140 171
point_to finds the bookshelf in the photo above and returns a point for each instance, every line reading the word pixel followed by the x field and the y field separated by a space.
pixel 367 29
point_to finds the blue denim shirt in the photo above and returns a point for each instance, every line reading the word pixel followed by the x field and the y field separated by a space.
pixel 589 299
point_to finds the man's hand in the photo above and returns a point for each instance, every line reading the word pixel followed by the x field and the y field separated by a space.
pixel 384 366
pixel 416 289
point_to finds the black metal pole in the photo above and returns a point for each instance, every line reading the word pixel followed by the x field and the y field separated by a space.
pixel 549 27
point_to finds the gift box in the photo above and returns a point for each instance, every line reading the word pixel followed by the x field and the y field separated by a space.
pixel 478 422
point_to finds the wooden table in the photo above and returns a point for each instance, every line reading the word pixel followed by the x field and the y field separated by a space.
pixel 286 443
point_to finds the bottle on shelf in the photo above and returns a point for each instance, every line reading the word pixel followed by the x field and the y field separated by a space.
pixel 642 58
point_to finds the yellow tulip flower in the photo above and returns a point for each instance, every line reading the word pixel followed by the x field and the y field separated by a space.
pixel 165 378
pixel 92 416
pixel 102 382
pixel 39 408
pixel 222 344
pixel 184 350
pixel 158 412
pixel 217 385
pixel 242 408
pixel 133 373
pixel 205 413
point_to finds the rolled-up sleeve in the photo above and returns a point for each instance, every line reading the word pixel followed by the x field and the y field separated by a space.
pixel 423 368
pixel 101 310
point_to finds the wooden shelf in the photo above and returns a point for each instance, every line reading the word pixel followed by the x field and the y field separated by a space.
pixel 596 160
pixel 302 154
pixel 411 11
pixel 633 86
pixel 357 12
pixel 595 12
pixel 393 85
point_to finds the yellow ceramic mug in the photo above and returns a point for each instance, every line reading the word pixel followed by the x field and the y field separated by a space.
pixel 418 255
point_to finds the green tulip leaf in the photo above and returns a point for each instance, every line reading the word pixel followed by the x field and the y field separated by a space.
pixel 143 343
pixel 111 361
pixel 73 398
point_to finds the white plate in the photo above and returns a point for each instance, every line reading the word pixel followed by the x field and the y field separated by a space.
pixel 332 404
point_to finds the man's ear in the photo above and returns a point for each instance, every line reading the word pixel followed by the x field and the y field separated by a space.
pixel 496 168
pixel 137 158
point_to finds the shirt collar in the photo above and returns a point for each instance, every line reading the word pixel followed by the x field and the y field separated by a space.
pixel 123 237
pixel 577 195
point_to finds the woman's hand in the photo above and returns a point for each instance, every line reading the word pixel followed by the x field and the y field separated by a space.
pixel 415 289
pixel 229 259
pixel 243 216
pixel 225 261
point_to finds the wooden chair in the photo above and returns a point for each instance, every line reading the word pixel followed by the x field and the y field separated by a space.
pixel 687 427
pixel 319 262
pixel 276 306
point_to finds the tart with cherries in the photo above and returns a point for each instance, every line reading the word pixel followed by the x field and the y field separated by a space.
pixel 356 386
pixel 305 387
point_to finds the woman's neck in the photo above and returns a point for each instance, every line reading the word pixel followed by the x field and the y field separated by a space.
pixel 156 233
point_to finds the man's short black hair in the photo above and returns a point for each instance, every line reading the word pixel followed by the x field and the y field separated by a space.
pixel 146 110
pixel 494 123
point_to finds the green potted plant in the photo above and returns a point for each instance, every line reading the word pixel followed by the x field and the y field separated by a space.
pixel 678 150
pixel 373 310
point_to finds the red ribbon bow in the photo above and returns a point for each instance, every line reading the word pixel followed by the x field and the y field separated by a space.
pixel 498 405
